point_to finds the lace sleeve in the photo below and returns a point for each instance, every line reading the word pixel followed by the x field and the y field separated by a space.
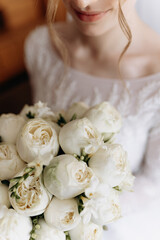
pixel 41 63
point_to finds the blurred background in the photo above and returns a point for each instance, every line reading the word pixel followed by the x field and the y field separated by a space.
pixel 17 19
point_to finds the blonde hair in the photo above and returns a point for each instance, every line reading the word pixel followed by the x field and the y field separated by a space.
pixel 56 39
pixel 58 42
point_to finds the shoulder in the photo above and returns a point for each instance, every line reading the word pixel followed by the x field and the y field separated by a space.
pixel 152 50
pixel 39 49
pixel 36 38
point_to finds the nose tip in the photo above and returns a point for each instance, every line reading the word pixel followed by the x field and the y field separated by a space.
pixel 83 3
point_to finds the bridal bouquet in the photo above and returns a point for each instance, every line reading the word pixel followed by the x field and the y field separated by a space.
pixel 61 174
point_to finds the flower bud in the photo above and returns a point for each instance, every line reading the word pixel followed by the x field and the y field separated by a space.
pixel 90 231
pixel 10 162
pixel 10 125
pixel 45 232
pixel 66 177
pixel 80 135
pixel 77 109
pixel 14 226
pixel 62 214
pixel 105 118
pixel 110 164
pixel 4 197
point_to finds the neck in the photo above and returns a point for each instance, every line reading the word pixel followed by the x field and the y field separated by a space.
pixel 106 44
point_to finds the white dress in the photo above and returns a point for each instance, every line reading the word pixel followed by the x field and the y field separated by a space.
pixel 140 134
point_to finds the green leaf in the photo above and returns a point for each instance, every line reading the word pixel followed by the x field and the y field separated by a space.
pixel 74 117
pixel 5 182
pixel 61 121
pixel 67 236
pixel 30 115
pixel 117 188
pixel 80 202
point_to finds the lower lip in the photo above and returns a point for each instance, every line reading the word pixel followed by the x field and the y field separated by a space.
pixel 90 18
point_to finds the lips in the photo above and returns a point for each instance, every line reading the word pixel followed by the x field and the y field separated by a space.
pixel 89 16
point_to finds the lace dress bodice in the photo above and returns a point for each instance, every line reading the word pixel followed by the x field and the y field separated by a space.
pixel 139 105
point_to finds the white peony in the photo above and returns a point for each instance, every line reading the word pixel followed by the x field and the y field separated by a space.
pixel 128 182
pixel 55 126
pixel 62 214
pixel 102 209
pixel 110 164
pixel 10 162
pixel 4 197
pixel 37 139
pixel 10 125
pixel 48 233
pixel 38 110
pixel 14 226
pixel 90 231
pixel 28 196
pixel 105 118
pixel 66 177
pixel 80 135
pixel 77 109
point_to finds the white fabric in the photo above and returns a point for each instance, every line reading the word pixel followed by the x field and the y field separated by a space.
pixel 149 12
pixel 140 134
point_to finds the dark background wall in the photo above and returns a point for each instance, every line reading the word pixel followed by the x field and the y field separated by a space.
pixel 17 19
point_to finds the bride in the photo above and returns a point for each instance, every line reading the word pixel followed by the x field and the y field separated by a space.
pixel 106 53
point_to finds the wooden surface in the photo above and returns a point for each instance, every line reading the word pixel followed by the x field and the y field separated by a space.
pixel 19 13
pixel 19 17
pixel 12 51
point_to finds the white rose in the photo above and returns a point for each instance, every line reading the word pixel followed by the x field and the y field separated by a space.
pixel 10 162
pixel 37 139
pixel 14 226
pixel 105 118
pixel 97 190
pixel 128 182
pixel 90 231
pixel 28 196
pixel 62 214
pixel 103 209
pixel 56 127
pixel 66 177
pixel 4 197
pixel 10 125
pixel 48 233
pixel 110 164
pixel 80 135
pixel 77 109
pixel 38 110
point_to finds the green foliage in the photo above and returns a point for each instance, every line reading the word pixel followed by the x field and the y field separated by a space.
pixel 30 115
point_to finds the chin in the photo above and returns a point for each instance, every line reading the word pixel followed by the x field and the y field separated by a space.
pixel 92 31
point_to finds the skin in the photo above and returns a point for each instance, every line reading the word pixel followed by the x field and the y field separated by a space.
pixel 100 43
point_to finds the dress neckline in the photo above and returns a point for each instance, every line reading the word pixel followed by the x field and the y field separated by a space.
pixel 84 74
pixel 89 76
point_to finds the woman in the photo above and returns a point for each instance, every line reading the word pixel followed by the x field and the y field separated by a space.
pixel 113 56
